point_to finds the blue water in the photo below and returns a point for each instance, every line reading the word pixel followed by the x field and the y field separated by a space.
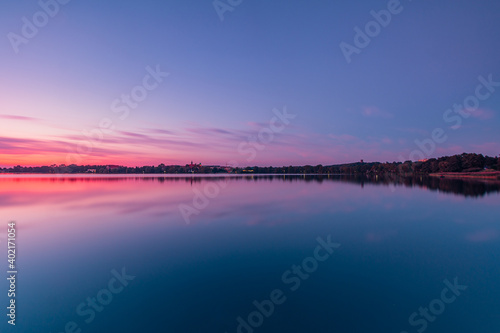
pixel 395 246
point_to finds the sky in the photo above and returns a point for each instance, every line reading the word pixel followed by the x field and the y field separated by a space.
pixel 247 82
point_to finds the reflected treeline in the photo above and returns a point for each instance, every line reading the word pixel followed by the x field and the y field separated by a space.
pixel 469 188
pixel 465 187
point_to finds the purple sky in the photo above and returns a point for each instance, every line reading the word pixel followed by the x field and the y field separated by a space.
pixel 152 82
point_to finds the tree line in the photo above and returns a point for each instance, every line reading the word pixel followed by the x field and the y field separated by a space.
pixel 456 163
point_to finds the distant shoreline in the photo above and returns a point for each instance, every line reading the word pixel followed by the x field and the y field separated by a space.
pixel 460 166
pixel 157 175
pixel 495 175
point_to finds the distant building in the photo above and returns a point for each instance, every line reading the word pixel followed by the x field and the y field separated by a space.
pixel 193 167
pixel 113 167
pixel 91 170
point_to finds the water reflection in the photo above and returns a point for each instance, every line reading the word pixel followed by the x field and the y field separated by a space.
pixel 400 239
pixel 465 187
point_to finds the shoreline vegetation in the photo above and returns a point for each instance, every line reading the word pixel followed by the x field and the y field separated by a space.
pixel 466 165
pixel 486 174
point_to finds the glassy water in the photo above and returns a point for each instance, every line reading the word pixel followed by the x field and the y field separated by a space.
pixel 252 254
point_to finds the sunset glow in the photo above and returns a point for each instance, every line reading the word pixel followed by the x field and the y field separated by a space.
pixel 139 92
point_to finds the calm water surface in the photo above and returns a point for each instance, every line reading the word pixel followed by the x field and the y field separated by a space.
pixel 403 251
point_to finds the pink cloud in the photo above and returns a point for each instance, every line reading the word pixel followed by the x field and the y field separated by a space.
pixel 488 148
pixel 373 111
pixel 418 131
pixel 387 141
pixel 344 137
pixel 450 150
pixel 12 117
pixel 483 114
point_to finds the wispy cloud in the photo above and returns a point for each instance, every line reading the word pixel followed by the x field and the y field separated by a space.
pixel 344 137
pixel 387 141
pixel 30 146
pixel 487 147
pixel 13 117
pixel 483 114
pixel 373 111
pixel 213 145
pixel 413 130
pixel 158 131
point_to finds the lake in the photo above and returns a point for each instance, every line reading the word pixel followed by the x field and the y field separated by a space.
pixel 254 253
